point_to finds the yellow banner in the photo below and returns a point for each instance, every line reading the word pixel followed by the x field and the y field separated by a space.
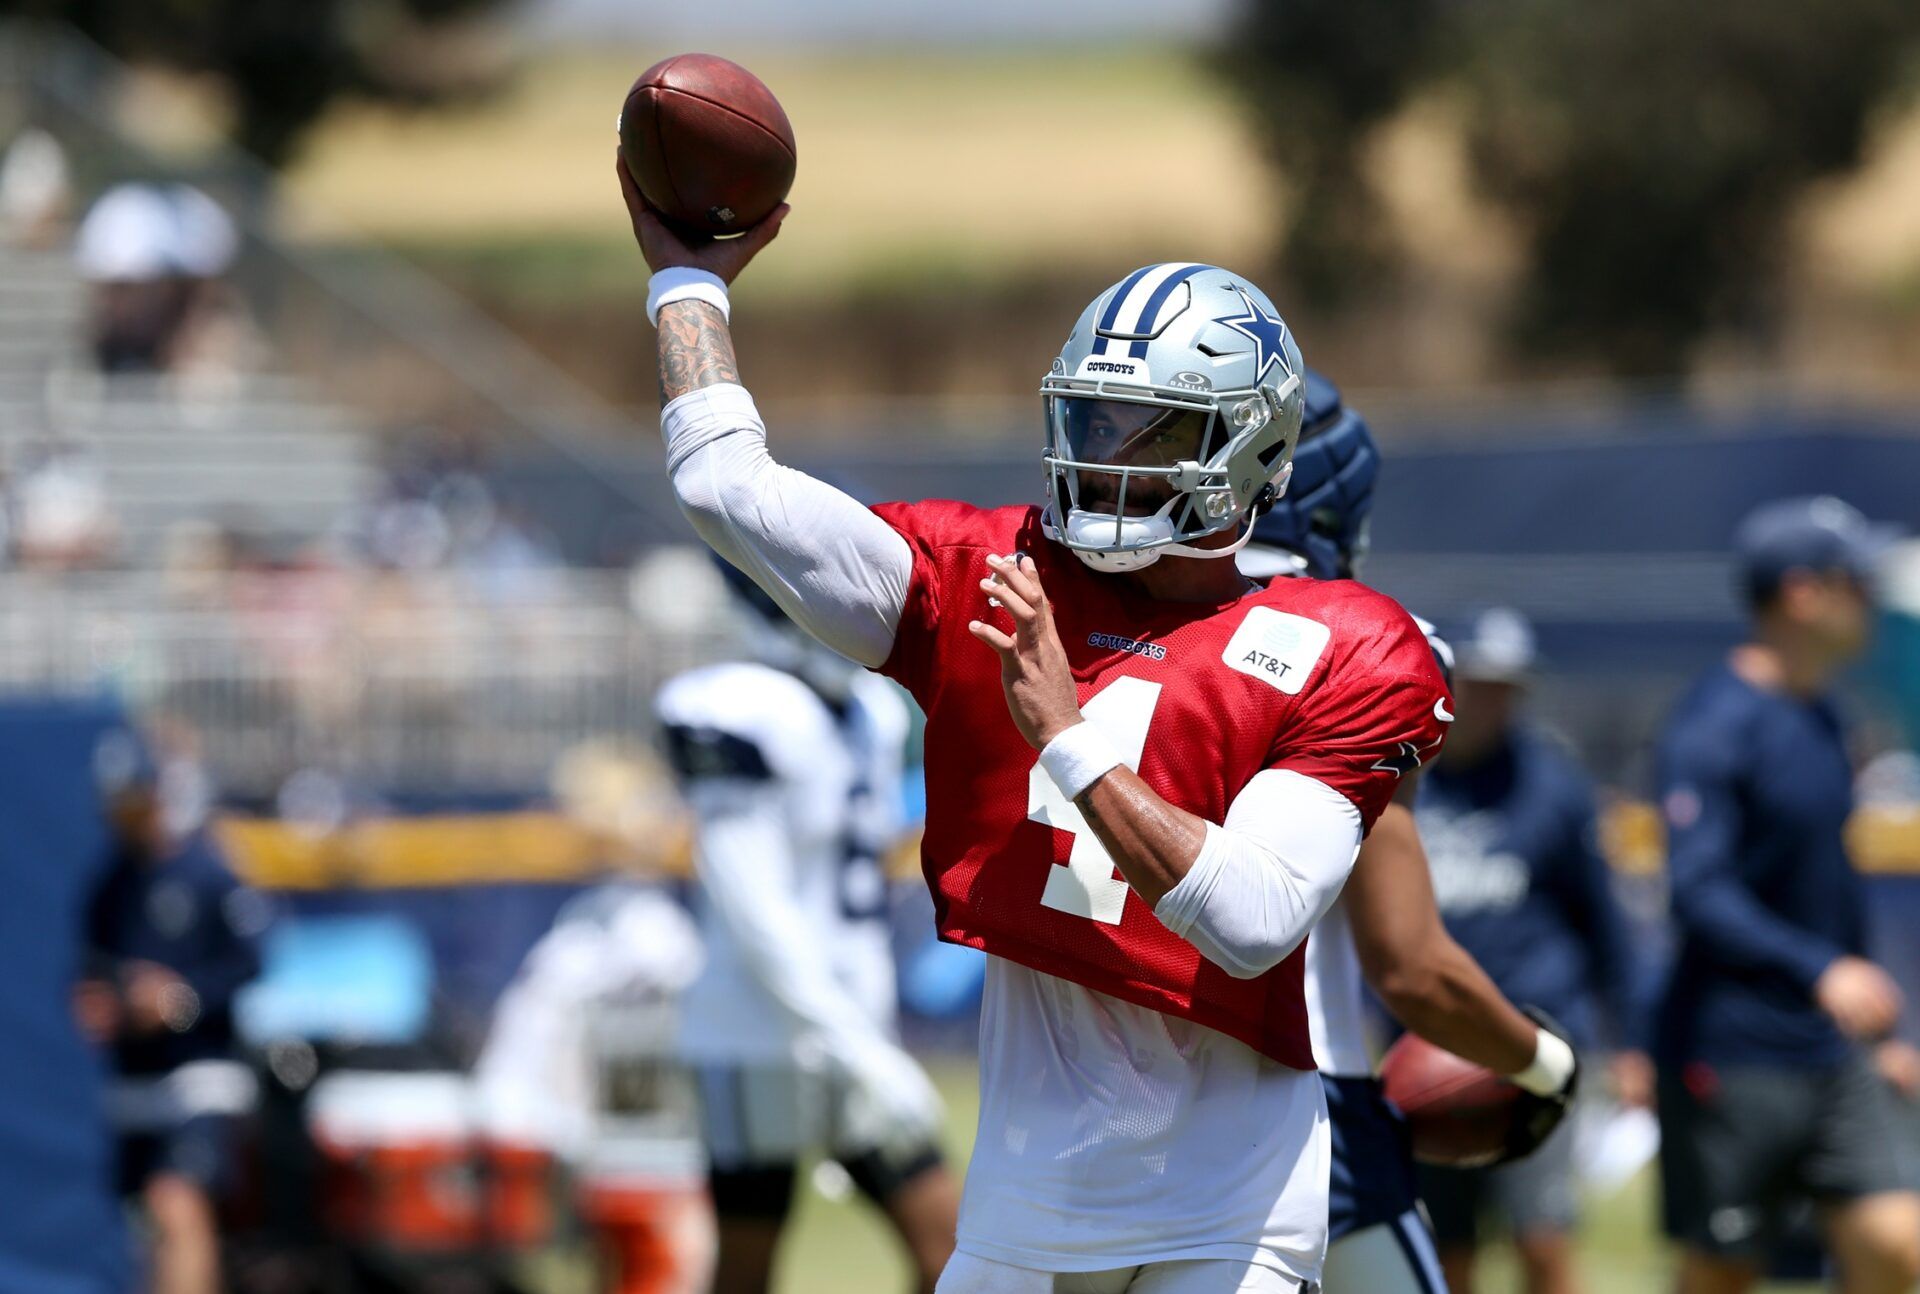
pixel 531 846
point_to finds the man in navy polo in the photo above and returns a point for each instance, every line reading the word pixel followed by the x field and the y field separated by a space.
pixel 1508 821
pixel 173 935
pixel 1767 1088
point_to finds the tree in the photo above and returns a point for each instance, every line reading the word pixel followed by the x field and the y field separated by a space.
pixel 1656 154
pixel 1319 76
pixel 283 61
pixel 1653 153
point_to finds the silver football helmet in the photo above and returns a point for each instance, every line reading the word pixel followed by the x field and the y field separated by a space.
pixel 1172 413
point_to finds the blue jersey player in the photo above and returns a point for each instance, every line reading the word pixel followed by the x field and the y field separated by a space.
pixel 1385 931
pixel 1509 823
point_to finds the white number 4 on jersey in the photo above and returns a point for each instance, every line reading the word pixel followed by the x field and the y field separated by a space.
pixel 1086 886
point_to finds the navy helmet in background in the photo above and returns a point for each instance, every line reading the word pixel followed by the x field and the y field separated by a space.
pixel 1322 518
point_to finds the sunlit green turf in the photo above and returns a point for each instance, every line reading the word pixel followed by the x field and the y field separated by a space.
pixel 841 1246
pixel 844 1245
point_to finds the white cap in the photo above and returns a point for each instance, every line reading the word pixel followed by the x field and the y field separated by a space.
pixel 204 238
pixel 139 232
pixel 34 178
pixel 1496 647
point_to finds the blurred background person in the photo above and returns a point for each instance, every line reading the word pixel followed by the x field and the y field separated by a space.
pixel 172 937
pixel 1509 823
pixel 582 1058
pixel 59 513
pixel 792 768
pixel 1767 1086
pixel 1384 932
pixel 36 188
pixel 156 257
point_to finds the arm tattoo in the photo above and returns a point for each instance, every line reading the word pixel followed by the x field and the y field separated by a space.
pixel 696 349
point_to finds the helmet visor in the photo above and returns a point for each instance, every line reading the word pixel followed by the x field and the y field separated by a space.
pixel 1122 433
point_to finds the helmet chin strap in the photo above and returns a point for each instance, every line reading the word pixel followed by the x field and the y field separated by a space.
pixel 1188 550
pixel 1137 559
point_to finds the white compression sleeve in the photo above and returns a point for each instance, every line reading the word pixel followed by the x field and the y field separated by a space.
pixel 840 572
pixel 1263 880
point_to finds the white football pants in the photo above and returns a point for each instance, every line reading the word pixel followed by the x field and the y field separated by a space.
pixel 1394 1257
pixel 966 1274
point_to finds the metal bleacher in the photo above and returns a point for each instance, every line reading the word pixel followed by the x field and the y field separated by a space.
pixel 263 448
pixel 428 678
pixel 377 345
pixel 438 680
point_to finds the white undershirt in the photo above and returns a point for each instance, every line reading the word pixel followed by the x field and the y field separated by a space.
pixel 1337 998
pixel 1113 1135
pixel 1110 1135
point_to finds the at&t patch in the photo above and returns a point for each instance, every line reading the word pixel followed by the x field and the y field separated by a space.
pixel 1277 648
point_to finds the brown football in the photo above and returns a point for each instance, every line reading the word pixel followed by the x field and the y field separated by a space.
pixel 708 144
pixel 1459 1113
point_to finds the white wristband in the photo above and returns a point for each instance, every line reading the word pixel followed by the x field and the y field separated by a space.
pixel 1551 1068
pixel 1078 757
pixel 683 283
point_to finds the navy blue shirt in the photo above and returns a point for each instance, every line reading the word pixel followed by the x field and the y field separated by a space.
pixel 1521 883
pixel 188 913
pixel 1755 787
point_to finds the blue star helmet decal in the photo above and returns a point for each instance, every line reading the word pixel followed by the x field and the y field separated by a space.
pixel 1269 333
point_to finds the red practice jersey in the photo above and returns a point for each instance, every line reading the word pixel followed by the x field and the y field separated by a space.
pixel 1329 679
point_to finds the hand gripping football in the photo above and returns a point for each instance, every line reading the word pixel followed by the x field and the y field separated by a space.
pixel 708 144
pixel 1463 1115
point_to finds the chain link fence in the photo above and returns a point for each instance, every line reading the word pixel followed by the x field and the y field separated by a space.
pixel 438 682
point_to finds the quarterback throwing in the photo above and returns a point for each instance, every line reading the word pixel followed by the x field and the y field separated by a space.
pixel 1147 776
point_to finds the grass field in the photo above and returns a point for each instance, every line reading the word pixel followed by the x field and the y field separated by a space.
pixel 838 1246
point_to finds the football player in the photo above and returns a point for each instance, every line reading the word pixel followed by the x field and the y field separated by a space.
pixel 792 765
pixel 1148 776
pixel 1511 825
pixel 1386 929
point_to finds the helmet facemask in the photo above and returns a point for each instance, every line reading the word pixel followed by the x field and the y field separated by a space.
pixel 1136 472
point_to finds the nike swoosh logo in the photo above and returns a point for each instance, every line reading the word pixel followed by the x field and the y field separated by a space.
pixel 1440 711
